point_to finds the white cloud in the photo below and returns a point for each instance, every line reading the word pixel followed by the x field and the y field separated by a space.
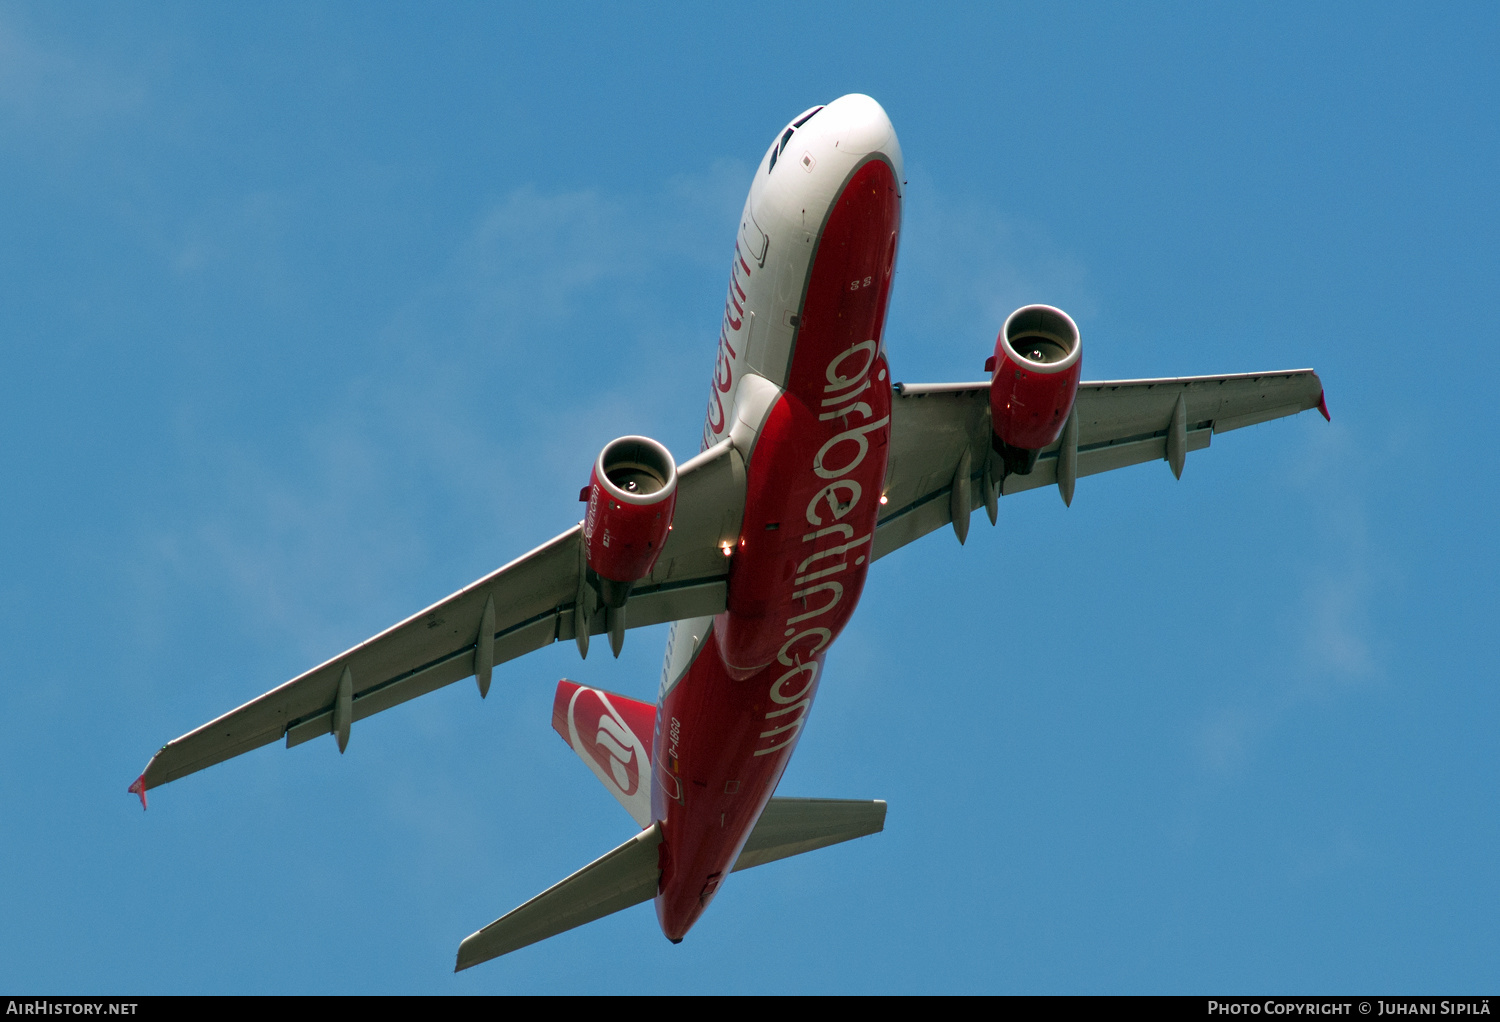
pixel 51 94
pixel 459 437
pixel 1223 739
pixel 1331 650
pixel 1338 638
pixel 966 264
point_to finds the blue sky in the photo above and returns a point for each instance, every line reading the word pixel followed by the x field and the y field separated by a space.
pixel 312 314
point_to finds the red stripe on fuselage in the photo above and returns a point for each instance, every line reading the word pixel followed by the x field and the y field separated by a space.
pixel 727 729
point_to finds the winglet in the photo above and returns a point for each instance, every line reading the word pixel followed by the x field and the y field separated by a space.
pixel 1323 406
pixel 139 788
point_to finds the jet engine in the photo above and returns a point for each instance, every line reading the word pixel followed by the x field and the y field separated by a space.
pixel 631 495
pixel 1036 367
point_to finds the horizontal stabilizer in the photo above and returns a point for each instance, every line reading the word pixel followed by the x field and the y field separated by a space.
pixel 791 826
pixel 629 875
pixel 624 877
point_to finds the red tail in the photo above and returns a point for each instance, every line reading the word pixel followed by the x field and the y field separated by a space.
pixel 612 735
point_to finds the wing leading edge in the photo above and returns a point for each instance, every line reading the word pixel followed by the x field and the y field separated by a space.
pixel 535 600
pixel 940 469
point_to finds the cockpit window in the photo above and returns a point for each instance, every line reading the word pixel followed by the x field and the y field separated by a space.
pixel 778 148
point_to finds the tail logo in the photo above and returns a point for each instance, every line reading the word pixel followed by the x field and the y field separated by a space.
pixel 611 747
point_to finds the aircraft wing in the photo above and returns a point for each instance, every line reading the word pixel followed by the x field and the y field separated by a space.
pixel 940 468
pixel 529 603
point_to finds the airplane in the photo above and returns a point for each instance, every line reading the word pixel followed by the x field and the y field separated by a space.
pixel 814 463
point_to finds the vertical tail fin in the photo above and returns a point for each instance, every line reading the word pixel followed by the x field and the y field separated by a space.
pixel 612 735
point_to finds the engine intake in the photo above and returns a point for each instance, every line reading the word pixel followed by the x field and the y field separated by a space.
pixel 632 494
pixel 1036 365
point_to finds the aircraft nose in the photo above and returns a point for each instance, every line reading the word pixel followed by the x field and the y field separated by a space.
pixel 858 124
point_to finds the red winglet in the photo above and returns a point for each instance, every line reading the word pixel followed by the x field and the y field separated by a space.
pixel 139 788
pixel 1323 406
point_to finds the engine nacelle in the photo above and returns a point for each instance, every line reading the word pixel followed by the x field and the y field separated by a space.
pixel 1036 365
pixel 632 494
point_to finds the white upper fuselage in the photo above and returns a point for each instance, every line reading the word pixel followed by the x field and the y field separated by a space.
pixel 797 181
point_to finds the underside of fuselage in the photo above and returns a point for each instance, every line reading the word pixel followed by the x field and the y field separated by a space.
pixel 801 385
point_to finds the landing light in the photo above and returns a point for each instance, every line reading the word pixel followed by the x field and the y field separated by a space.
pixel 884 499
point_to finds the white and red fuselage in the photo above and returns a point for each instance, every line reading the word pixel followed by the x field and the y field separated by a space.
pixel 802 385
